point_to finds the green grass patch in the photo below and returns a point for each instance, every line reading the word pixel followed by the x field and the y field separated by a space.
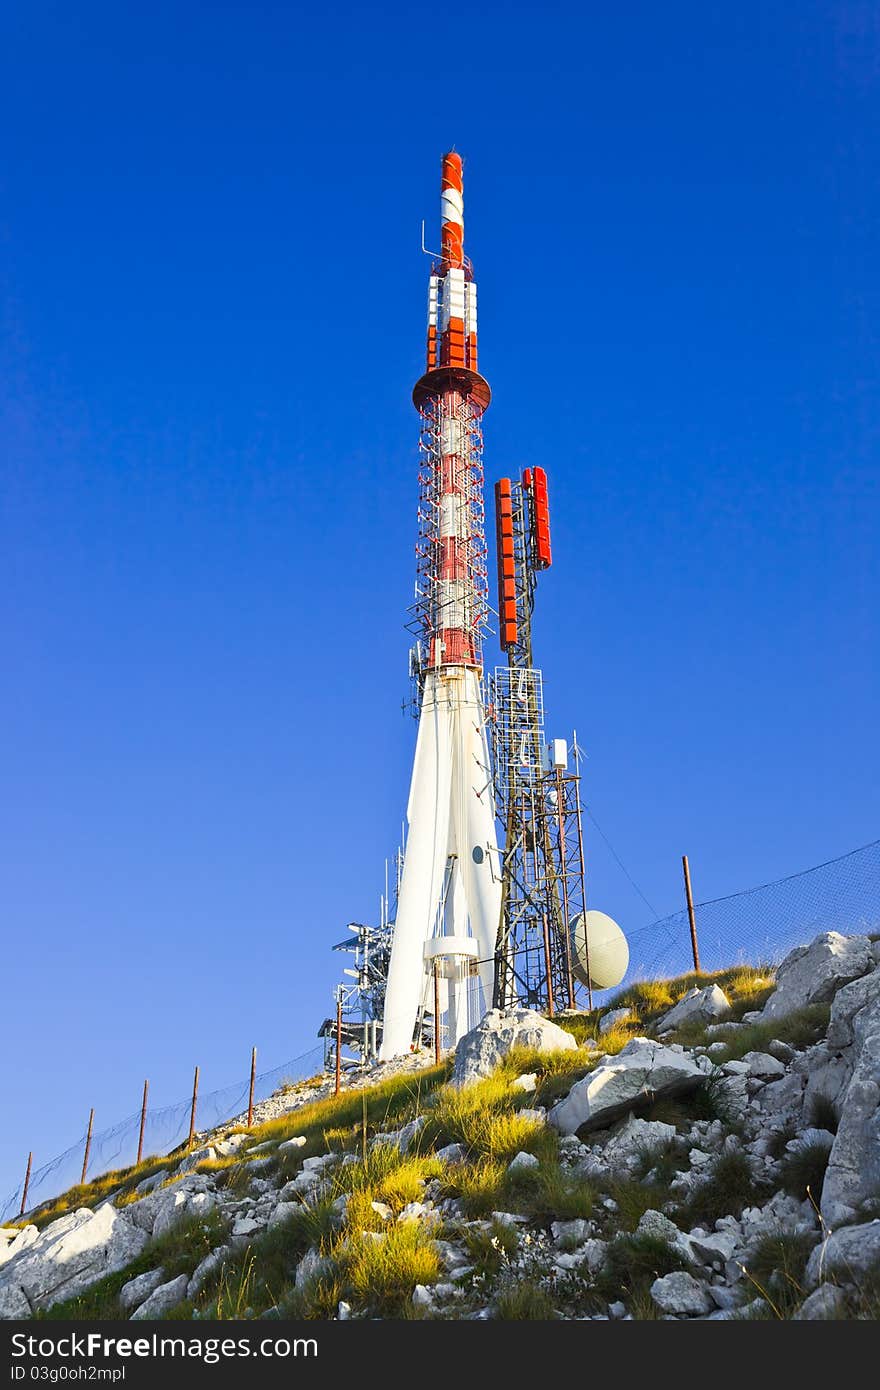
pixel 524 1302
pixel 799 1029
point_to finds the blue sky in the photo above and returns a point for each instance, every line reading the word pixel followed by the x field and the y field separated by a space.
pixel 212 315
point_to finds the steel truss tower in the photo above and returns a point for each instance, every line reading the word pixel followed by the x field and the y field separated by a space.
pixel 538 797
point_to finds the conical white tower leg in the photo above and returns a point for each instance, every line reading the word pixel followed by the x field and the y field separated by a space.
pixel 424 867
pixel 452 821
pixel 477 835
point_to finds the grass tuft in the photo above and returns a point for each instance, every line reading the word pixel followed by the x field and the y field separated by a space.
pixel 730 1187
pixel 803 1171
pixel 525 1302
pixel 776 1268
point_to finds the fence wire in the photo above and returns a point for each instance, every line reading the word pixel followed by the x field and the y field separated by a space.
pixel 761 925
pixel 166 1128
pixel 755 927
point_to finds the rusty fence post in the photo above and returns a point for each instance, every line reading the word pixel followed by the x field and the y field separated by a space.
pixel 338 1045
pixel 143 1122
pixel 27 1183
pixel 88 1145
pixel 691 918
pixel 436 1011
pixel 192 1113
pixel 253 1080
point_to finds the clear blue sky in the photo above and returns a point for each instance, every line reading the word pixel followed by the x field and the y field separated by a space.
pixel 213 313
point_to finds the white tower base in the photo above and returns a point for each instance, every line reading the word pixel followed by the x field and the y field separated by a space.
pixel 451 884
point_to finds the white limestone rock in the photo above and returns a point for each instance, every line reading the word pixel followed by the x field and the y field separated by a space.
pixel 159 1211
pixel 527 1082
pixel 612 1018
pixel 571 1233
pixel 451 1153
pixel 643 1069
pixel 707 1005
pixel 66 1257
pixel 522 1163
pixel 497 1033
pixel 847 1253
pixel 853 1173
pixel 813 974
pixel 763 1065
pixel 16 1241
pixel 635 1138
pixel 137 1290
pixel 206 1267
pixel 682 1295
pixel 480 1051
pixel 823 1305
pixel 289 1146
pixel 163 1299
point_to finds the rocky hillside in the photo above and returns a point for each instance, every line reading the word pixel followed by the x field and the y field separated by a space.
pixel 708 1148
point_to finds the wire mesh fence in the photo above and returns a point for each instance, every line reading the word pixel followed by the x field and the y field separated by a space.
pixel 761 925
pixel 755 927
pixel 166 1128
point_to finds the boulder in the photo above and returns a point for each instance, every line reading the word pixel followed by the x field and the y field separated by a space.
pixel 682 1295
pixel 16 1241
pixel 612 1018
pixel 161 1210
pixel 823 1304
pixel 527 1082
pixel 633 1139
pixel 644 1069
pixel 848 1254
pixel 855 1012
pixel 497 1033
pixel 409 1133
pixel 206 1267
pixel 153 1181
pixel 571 1233
pixel 314 1266
pixel 282 1214
pixel 813 974
pixel 289 1146
pixel 66 1257
pixel 232 1143
pixel 138 1289
pixel 181 1206
pixel 853 1173
pixel 655 1224
pixel 763 1065
pixel 522 1163
pixel 247 1226
pixel 706 1005
pixel 712 1248
pixel 451 1153
pixel 163 1299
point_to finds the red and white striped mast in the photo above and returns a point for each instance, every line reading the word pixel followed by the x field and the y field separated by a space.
pixel 450 893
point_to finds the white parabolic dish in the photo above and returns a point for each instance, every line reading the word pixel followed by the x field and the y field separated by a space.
pixel 608 950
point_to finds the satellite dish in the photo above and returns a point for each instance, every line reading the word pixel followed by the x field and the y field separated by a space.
pixel 608 950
